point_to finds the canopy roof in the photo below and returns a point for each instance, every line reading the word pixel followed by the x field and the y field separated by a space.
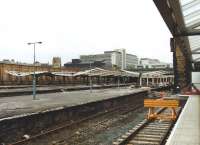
pixel 39 73
pixel 183 20
pixel 156 74
pixel 103 72
pixel 23 74
pixel 182 17
pixel 191 15
pixel 96 72
pixel 91 72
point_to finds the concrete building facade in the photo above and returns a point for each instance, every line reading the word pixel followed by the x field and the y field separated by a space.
pixel 77 64
pixel 131 61
pixel 105 58
pixel 153 63
pixel 118 58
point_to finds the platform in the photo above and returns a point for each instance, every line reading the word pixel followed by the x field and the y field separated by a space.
pixel 18 105
pixel 8 91
pixel 187 128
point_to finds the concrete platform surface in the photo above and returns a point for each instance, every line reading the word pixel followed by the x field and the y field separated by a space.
pixel 39 87
pixel 187 127
pixel 29 88
pixel 18 105
pixel 8 91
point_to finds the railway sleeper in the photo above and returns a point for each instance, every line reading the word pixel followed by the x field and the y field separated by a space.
pixel 140 124
pixel 155 130
pixel 131 131
pixel 158 126
pixel 148 135
pixel 160 123
pixel 116 143
pixel 154 127
pixel 151 133
pixel 147 139
pixel 128 133
pixel 141 142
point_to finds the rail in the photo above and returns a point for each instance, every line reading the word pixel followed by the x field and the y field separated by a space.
pixel 148 132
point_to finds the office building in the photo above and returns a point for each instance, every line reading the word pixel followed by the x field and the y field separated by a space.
pixel 116 58
pixel 153 63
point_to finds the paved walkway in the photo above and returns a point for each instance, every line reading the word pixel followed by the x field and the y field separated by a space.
pixel 187 128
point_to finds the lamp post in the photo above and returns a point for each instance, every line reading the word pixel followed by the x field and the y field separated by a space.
pixel 34 76
pixel 90 77
pixel 118 81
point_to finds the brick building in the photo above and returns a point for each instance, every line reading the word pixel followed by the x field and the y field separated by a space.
pixel 7 79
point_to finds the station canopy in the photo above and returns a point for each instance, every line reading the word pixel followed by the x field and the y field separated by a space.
pixel 103 73
pixel 39 73
pixel 156 74
pixel 191 15
pixel 23 74
pixel 91 72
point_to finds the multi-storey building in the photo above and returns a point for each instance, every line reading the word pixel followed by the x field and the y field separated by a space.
pixel 153 63
pixel 131 61
pixel 105 58
pixel 118 58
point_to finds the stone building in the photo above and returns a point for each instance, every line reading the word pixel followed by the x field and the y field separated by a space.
pixel 7 79
pixel 56 62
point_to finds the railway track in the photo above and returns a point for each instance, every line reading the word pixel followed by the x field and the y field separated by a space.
pixel 120 110
pixel 99 125
pixel 147 132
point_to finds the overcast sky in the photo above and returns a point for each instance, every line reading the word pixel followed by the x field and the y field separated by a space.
pixel 69 28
